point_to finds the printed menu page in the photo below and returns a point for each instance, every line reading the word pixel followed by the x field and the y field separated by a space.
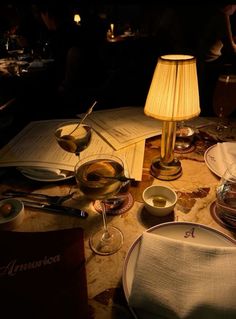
pixel 36 147
pixel 124 126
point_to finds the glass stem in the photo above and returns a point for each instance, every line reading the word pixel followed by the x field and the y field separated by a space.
pixel 106 235
pixel 219 124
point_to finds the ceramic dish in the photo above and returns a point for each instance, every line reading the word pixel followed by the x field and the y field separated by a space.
pixel 12 217
pixel 211 161
pixel 184 231
pixel 159 200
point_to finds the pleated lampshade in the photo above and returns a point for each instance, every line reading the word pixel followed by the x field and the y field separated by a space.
pixel 173 94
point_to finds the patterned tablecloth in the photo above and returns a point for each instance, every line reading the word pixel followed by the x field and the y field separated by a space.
pixel 196 194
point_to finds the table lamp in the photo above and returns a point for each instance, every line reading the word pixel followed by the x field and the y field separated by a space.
pixel 173 96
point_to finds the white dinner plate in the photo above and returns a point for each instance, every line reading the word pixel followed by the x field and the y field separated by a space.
pixel 211 161
pixel 49 179
pixel 184 231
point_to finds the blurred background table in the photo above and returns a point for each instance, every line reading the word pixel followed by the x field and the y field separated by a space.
pixel 196 193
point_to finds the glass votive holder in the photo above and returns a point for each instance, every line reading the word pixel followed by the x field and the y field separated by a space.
pixel 226 196
pixel 184 138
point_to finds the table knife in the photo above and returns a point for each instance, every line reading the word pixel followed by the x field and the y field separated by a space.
pixel 64 210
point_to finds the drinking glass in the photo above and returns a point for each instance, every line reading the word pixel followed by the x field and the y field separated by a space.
pixel 13 46
pixel 121 201
pixel 98 178
pixel 226 196
pixel 184 136
pixel 223 103
pixel 73 138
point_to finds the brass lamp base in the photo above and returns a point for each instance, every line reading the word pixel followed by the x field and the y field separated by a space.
pixel 166 171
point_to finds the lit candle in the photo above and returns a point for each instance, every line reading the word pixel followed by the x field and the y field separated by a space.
pixel 112 30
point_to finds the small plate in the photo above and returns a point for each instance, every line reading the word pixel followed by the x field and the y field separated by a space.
pixel 211 161
pixel 184 231
pixel 221 220
pixel 50 179
pixel 16 215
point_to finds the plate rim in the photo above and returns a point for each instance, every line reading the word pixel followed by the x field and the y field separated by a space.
pixel 133 245
pixel 208 164
pixel 46 179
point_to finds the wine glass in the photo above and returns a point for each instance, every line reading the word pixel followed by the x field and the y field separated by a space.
pixel 121 201
pixel 14 46
pixel 100 177
pixel 72 137
pixel 226 196
pixel 117 201
pixel 223 103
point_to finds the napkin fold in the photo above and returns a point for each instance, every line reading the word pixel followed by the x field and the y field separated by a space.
pixel 43 172
pixel 226 155
pixel 182 280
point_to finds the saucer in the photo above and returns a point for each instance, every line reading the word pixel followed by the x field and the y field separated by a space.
pixel 14 217
pixel 221 221
pixel 127 204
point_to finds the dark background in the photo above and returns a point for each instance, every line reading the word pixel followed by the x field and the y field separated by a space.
pixel 162 28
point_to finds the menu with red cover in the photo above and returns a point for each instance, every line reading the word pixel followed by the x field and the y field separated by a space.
pixel 42 275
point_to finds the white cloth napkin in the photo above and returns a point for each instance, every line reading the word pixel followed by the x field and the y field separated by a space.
pixel 43 172
pixel 175 279
pixel 226 155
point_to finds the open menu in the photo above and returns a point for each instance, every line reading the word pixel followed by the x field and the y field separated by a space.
pixel 36 146
pixel 122 127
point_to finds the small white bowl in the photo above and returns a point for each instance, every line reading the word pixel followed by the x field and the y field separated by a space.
pixel 159 200
pixel 12 218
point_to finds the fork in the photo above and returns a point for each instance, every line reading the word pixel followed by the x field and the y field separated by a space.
pixel 52 199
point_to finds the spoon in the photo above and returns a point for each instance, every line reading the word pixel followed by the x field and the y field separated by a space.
pixel 93 177
pixel 89 111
